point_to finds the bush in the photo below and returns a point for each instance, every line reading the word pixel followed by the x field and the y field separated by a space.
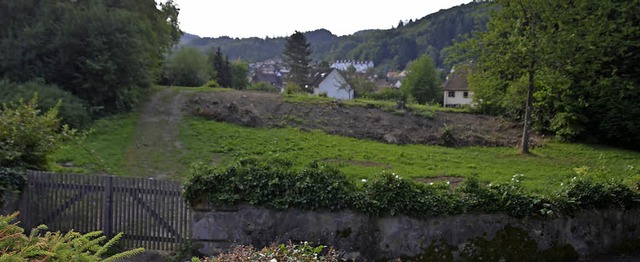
pixel 54 246
pixel 72 110
pixel 264 87
pixel 273 183
pixel 292 88
pixel 27 137
pixel 387 94
pixel 212 83
pixel 11 181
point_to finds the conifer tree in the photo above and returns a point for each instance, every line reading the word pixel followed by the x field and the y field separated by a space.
pixel 297 55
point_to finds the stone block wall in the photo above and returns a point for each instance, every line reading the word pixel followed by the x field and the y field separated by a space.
pixel 469 237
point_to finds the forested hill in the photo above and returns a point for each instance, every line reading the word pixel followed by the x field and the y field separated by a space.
pixel 388 49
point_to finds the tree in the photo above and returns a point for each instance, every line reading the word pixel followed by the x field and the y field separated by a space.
pixel 104 52
pixel 220 67
pixel 239 72
pixel 297 53
pixel 186 67
pixel 422 82
pixel 510 54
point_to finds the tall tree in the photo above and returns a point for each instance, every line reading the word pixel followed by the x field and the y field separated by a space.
pixel 511 52
pixel 297 55
pixel 239 72
pixel 422 82
pixel 221 68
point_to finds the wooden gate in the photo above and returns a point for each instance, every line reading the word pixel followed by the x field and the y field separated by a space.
pixel 151 213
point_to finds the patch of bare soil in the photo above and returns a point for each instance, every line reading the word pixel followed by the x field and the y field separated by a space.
pixel 253 109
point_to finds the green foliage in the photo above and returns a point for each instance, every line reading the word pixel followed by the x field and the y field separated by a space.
pixel 186 67
pixel 28 137
pixel 304 252
pixel 104 52
pixel 567 54
pixel 55 246
pixel 270 183
pixel 212 83
pixel 292 88
pixel 422 82
pixel 72 110
pixel 239 72
pixel 386 94
pixel 11 181
pixel 296 55
pixel 273 183
pixel 263 87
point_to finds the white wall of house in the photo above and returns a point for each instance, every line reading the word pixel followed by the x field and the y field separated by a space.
pixel 332 84
pixel 457 98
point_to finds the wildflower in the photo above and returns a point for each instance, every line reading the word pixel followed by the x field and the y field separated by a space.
pixel 431 183
pixel 364 180
pixel 448 182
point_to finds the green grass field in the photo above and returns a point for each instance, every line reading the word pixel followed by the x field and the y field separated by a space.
pixel 106 151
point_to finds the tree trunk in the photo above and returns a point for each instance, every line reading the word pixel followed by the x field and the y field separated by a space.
pixel 526 133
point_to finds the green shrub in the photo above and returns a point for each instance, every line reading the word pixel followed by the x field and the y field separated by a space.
pixel 387 94
pixel 586 193
pixel 273 183
pixel 27 137
pixel 11 181
pixel 263 87
pixel 291 88
pixel 72 110
pixel 212 83
pixel 54 246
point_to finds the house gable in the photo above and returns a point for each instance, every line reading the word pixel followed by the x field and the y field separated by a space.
pixel 331 83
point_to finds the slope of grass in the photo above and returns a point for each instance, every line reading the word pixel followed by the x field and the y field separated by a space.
pixel 222 143
pixel 102 151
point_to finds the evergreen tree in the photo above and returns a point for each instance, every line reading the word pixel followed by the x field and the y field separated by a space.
pixel 297 55
pixel 220 68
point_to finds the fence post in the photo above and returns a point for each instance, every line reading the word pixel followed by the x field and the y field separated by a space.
pixel 108 207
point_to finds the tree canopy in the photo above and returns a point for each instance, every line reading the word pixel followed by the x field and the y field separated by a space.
pixel 104 52
pixel 576 60
pixel 297 55
pixel 422 82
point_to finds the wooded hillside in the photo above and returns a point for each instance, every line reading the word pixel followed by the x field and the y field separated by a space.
pixel 388 49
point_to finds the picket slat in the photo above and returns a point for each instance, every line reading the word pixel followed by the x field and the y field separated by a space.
pixel 150 212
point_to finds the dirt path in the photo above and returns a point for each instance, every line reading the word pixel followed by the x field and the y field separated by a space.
pixel 156 148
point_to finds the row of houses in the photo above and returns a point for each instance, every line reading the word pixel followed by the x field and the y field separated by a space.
pixel 331 82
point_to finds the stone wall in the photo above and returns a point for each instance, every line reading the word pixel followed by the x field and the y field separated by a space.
pixel 490 237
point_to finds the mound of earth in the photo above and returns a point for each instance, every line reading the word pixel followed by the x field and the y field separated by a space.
pixel 255 109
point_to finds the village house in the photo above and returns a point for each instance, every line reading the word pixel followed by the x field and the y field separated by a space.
pixel 331 83
pixel 456 89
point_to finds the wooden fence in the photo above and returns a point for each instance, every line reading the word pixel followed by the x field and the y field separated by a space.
pixel 151 213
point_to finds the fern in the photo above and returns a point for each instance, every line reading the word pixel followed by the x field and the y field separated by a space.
pixel 54 246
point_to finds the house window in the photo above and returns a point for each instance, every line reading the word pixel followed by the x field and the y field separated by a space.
pixel 452 94
pixel 465 94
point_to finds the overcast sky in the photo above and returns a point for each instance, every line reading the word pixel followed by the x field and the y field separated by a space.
pixel 259 18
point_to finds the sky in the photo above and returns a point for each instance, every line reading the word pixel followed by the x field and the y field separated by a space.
pixel 276 18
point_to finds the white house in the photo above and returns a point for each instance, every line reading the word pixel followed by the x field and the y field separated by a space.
pixel 332 83
pixel 360 66
pixel 456 89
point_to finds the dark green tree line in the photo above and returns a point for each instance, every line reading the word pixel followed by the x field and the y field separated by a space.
pixel 104 52
pixel 566 67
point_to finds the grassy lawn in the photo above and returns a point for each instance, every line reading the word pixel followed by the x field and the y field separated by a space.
pixel 103 151
pixel 221 143
pixel 109 147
